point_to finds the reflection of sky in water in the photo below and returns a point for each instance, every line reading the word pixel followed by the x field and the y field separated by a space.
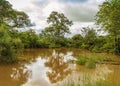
pixel 43 72
pixel 37 73
pixel 56 69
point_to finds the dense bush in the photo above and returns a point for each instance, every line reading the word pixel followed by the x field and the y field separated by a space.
pixel 10 43
pixel 9 47
pixel 87 61
pixel 90 63
pixel 81 61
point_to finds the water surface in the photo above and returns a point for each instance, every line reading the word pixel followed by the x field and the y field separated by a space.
pixel 52 67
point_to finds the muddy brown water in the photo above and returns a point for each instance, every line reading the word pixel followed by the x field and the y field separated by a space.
pixel 51 67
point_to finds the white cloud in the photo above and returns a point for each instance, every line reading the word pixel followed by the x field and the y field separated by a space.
pixel 76 28
pixel 100 1
pixel 82 14
pixel 18 4
pixel 52 6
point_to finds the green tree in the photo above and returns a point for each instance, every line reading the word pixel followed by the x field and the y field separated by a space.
pixel 58 27
pixel 108 17
pixel 77 40
pixel 9 47
pixel 89 37
pixel 10 18
pixel 107 45
pixel 29 39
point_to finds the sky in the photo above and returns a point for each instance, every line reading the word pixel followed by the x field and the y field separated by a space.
pixel 81 12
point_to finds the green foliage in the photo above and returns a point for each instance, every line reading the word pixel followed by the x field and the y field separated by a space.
pixel 59 24
pixel 58 27
pixel 6 8
pixel 53 36
pixel 90 63
pixel 11 17
pixel 10 43
pixel 17 44
pixel 9 47
pixel 108 17
pixel 77 40
pixel 99 43
pixel 29 39
pixel 89 36
pixel 81 60
pixel 42 43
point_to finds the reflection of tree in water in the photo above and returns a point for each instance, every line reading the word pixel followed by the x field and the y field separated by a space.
pixel 59 68
pixel 19 74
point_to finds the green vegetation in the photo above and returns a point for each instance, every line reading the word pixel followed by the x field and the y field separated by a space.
pixel 10 19
pixel 59 26
pixel 88 62
pixel 53 36
pixel 91 63
pixel 12 40
pixel 108 17
pixel 81 61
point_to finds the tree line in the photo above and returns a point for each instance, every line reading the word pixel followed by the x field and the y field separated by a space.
pixel 13 41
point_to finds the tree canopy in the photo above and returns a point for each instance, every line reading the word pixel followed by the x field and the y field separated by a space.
pixel 10 44
pixel 12 17
pixel 58 27
pixel 59 24
pixel 108 17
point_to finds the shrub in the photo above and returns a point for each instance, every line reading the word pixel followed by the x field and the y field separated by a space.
pixel 90 63
pixel 81 61
pixel 9 47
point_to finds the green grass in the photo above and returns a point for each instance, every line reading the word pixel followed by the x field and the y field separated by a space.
pixel 90 63
pixel 81 61
pixel 91 59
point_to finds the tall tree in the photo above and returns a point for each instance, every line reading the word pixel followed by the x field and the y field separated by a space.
pixel 58 26
pixel 77 40
pixel 89 36
pixel 108 17
pixel 9 19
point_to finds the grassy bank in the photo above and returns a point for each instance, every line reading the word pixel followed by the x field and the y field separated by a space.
pixel 91 59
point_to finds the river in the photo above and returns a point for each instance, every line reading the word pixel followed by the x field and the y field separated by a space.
pixel 52 67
